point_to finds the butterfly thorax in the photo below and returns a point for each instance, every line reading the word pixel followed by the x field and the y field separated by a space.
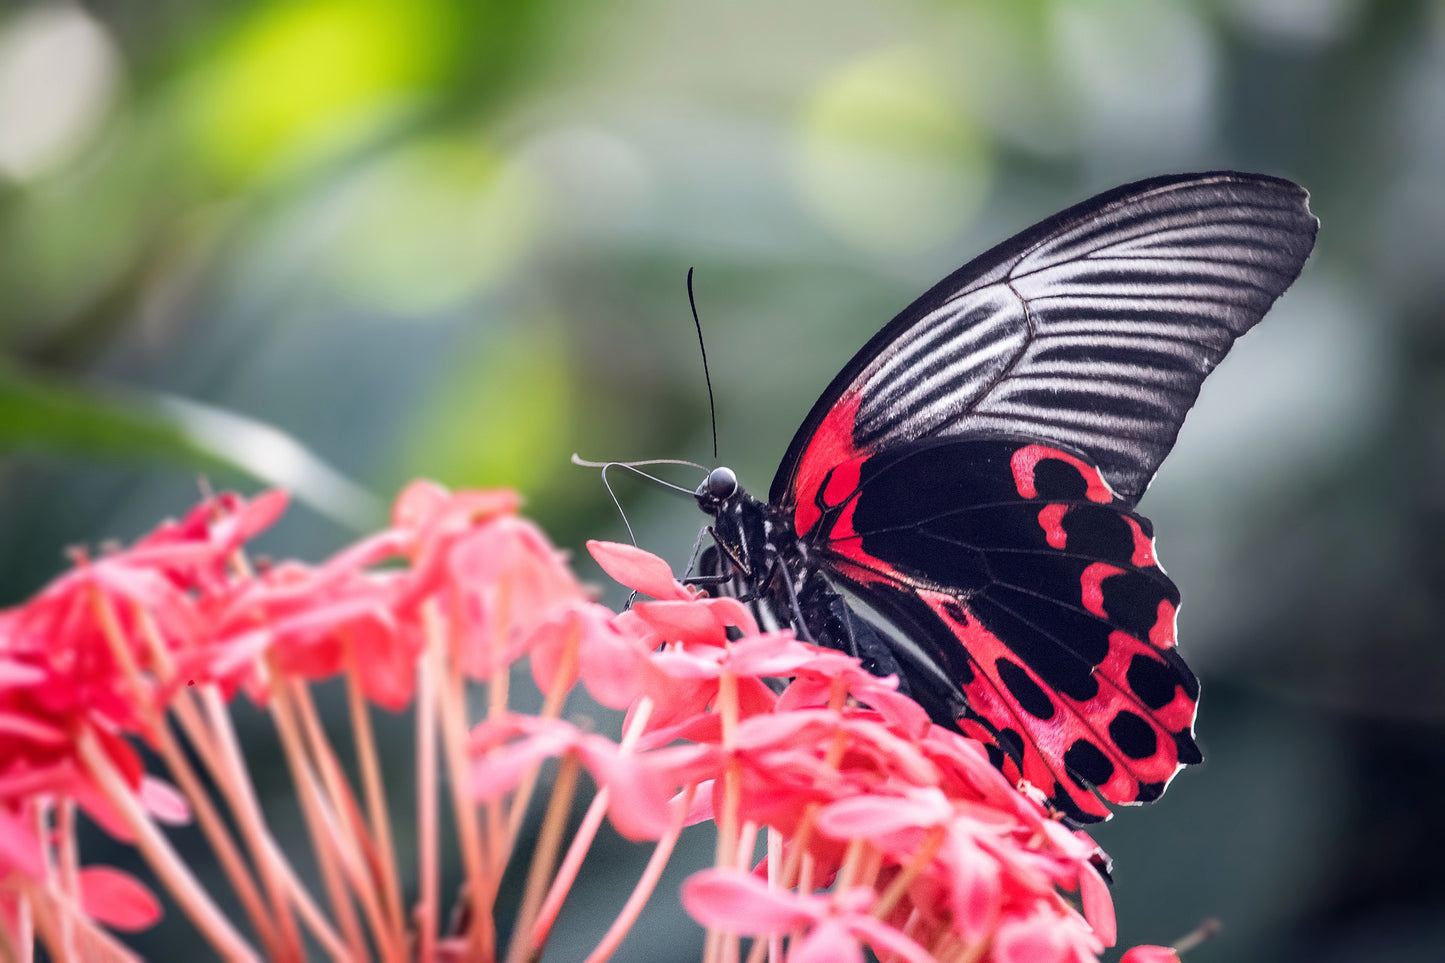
pixel 755 543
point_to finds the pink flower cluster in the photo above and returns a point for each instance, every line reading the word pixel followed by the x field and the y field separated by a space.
pixel 845 819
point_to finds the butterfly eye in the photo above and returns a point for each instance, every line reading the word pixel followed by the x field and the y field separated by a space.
pixel 721 483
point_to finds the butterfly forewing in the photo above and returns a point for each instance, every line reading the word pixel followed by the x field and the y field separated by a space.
pixel 1093 330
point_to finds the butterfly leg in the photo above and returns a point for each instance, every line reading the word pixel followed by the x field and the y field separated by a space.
pixel 800 624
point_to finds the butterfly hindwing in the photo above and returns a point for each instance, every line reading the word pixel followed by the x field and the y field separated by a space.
pixel 1022 577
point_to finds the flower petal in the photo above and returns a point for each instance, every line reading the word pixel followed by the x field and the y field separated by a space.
pixel 1098 905
pixel 828 942
pixel 1150 954
pixel 737 902
pixel 638 570
pixel 117 899
pixel 164 801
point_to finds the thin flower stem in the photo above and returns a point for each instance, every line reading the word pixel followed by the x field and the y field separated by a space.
pixel 747 844
pixel 727 820
pixel 168 866
pixel 661 853
pixel 853 859
pixel 556 698
pixel 99 945
pixel 425 913
pixel 499 682
pixel 1206 930
pixel 57 934
pixel 921 858
pixel 451 719
pixel 283 946
pixel 586 833
pixel 227 767
pixel 22 949
pixel 567 874
pixel 384 855
pixel 544 859
pixel 164 740
pixel 67 863
pixel 773 945
pixel 345 827
pixel 39 900
pixel 307 793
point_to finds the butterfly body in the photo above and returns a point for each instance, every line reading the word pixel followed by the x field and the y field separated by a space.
pixel 971 476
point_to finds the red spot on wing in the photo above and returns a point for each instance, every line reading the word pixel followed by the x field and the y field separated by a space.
pixel 1163 632
pixel 1175 715
pixel 1143 556
pixel 1051 519
pixel 1092 583
pixel 1044 742
pixel 830 448
pixel 1026 460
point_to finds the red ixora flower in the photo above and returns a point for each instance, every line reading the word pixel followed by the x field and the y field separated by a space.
pixel 845 820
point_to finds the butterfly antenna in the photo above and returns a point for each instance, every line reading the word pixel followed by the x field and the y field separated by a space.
pixel 711 405
pixel 613 495
pixel 634 467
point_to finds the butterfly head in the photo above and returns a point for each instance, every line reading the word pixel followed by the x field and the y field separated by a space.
pixel 720 485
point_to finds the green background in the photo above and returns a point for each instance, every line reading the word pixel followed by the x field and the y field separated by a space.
pixel 337 245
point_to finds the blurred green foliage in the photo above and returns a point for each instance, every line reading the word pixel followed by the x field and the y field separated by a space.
pixel 372 239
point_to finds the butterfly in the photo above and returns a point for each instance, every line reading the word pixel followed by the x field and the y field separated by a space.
pixel 958 507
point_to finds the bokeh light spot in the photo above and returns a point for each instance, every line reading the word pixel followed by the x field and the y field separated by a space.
pixel 498 414
pixel 431 225
pixel 888 158
pixel 300 79
pixel 58 75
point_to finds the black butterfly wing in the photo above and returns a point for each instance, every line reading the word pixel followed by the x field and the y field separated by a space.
pixel 1071 352
pixel 1093 329
pixel 1021 580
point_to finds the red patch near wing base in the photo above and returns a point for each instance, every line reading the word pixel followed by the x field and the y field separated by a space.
pixel 830 448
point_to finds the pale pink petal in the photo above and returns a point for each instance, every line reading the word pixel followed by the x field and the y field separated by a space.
pixel 260 513
pixel 886 941
pixel 738 902
pixel 693 622
pixel 164 801
pixel 14 675
pixel 117 899
pixel 19 847
pixel 1039 937
pixel 639 570
pixel 1150 954
pixel 701 809
pixel 640 806
pixel 25 727
pixel 497 767
pixel 868 817
pixel 1098 905
pixel 975 886
pixel 828 942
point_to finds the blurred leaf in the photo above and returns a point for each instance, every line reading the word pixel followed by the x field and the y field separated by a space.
pixel 888 158
pixel 44 414
pixel 299 78
pixel 501 418
pixel 427 226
